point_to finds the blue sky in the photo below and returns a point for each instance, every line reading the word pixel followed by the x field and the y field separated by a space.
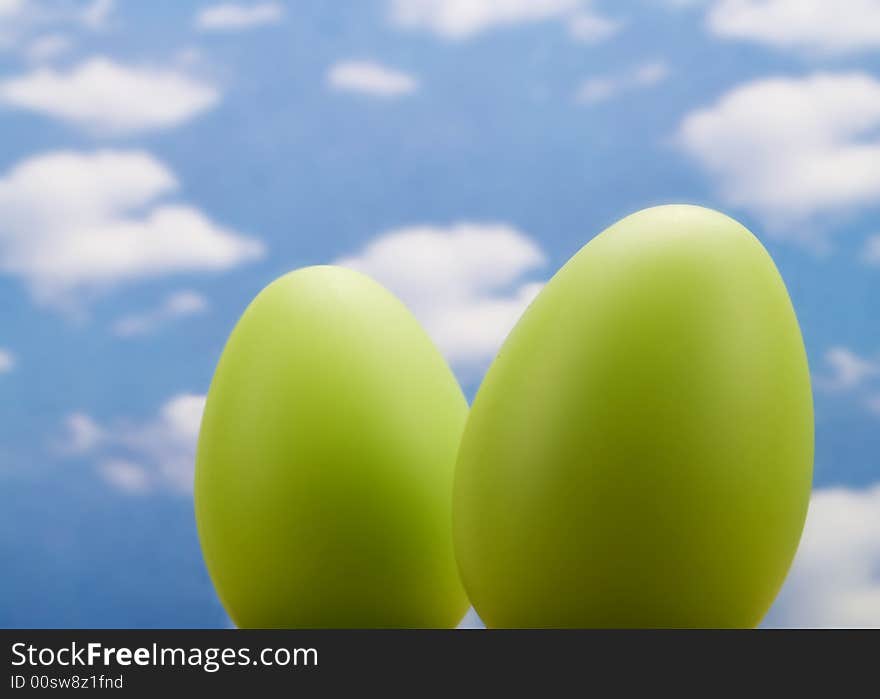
pixel 161 162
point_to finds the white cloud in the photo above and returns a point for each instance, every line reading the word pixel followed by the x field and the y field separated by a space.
pixel 471 620
pixel 800 24
pixel 603 88
pixel 370 78
pixel 82 434
pixel 47 47
pixel 681 4
pixel 126 476
pixel 847 370
pixel 7 361
pixel 650 73
pixel 20 19
pixel 589 27
pixel 107 98
pixel 190 56
pixel 871 251
pixel 9 8
pixel 140 457
pixel 231 17
pixel 13 17
pixel 97 14
pixel 835 579
pixel 475 331
pixel 180 304
pixel 792 149
pixel 462 19
pixel 593 90
pixel 465 283
pixel 853 374
pixel 75 224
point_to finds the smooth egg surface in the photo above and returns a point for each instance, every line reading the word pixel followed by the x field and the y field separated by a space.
pixel 640 452
pixel 325 462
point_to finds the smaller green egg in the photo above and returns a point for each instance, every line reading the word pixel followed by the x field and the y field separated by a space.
pixel 323 487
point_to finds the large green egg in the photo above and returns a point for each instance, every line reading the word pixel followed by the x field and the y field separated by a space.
pixel 640 452
pixel 323 487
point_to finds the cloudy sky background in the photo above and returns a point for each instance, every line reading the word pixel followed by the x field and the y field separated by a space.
pixel 161 162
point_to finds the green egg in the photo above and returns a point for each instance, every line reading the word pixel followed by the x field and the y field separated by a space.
pixel 640 452
pixel 323 486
